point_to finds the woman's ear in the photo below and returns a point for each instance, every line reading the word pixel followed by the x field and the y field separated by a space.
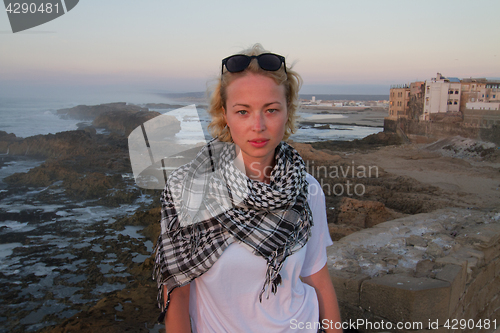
pixel 224 114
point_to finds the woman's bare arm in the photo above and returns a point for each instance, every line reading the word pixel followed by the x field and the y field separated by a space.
pixel 327 299
pixel 177 317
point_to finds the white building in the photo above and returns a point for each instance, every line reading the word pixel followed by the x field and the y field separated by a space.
pixel 442 95
pixel 483 106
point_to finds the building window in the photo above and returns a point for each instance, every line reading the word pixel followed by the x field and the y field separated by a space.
pixel 494 96
pixel 455 103
pixel 456 92
pixel 449 102
pixel 450 92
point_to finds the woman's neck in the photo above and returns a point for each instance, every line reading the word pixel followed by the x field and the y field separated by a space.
pixel 259 170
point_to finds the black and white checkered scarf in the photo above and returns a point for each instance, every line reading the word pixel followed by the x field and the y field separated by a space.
pixel 209 203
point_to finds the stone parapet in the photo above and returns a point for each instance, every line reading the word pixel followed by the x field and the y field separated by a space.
pixel 439 130
pixel 421 272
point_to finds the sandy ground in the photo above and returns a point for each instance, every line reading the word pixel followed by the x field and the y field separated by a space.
pixel 469 182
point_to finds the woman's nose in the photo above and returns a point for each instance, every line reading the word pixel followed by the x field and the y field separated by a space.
pixel 259 122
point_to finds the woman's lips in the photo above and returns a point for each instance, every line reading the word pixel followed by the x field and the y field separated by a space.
pixel 258 143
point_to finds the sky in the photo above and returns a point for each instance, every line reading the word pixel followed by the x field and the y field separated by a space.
pixel 338 47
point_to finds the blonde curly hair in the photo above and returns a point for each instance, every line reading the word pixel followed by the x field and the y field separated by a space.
pixel 290 79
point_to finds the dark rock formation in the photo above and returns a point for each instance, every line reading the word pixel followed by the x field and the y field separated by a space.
pixel 307 152
pixel 364 214
pixel 371 141
pixel 163 106
pixel 86 112
pixel 352 215
pixel 120 118
pixel 124 122
pixel 7 139
pixel 71 143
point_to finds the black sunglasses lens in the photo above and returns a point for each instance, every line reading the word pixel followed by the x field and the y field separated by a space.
pixel 270 62
pixel 237 63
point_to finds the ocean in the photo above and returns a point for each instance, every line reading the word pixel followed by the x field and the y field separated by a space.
pixel 47 251
pixel 32 116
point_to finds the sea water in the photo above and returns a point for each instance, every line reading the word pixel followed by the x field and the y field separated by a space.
pixel 28 116
pixel 32 116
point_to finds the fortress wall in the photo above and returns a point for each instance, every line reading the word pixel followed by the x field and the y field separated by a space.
pixel 425 268
pixel 439 130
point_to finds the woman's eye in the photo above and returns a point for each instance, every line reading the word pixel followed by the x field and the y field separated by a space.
pixel 272 110
pixel 242 112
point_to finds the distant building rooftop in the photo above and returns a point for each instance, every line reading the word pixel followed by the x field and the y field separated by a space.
pixel 454 79
pixel 400 86
pixel 474 80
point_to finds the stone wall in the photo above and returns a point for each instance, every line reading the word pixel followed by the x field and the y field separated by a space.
pixel 439 130
pixel 421 271
pixel 482 118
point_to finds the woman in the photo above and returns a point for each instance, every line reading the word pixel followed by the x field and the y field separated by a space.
pixel 243 223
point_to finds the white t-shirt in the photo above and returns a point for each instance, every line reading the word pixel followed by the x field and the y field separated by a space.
pixel 226 297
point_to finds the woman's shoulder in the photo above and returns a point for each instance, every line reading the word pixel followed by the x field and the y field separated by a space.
pixel 310 179
pixel 315 192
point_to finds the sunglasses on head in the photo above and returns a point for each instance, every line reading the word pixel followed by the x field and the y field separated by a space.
pixel 239 62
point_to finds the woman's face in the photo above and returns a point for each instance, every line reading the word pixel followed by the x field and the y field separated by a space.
pixel 256 115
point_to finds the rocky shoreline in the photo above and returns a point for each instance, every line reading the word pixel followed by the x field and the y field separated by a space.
pixel 358 116
pixel 85 166
pixel 85 175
